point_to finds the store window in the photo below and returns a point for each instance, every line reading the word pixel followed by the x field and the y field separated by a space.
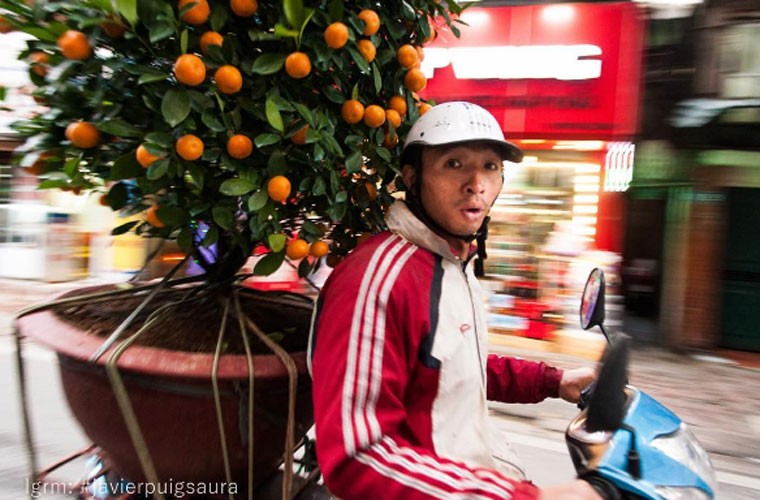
pixel 739 63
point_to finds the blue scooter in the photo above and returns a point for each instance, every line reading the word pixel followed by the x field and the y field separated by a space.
pixel 625 443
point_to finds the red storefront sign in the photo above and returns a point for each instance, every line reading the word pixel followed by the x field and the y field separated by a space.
pixel 562 71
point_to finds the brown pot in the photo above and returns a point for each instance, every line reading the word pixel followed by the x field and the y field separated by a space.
pixel 171 393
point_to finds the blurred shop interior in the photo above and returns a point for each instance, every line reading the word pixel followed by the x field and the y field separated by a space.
pixel 639 122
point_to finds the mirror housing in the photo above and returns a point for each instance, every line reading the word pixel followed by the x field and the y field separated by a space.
pixel 592 301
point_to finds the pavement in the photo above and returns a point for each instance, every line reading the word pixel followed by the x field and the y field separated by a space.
pixel 715 393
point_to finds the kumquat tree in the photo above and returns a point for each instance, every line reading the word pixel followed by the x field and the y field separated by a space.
pixel 244 124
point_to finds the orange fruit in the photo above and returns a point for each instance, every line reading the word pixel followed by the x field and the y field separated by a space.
pixel 352 111
pixel 5 26
pixel 420 54
pixel 113 28
pixel 432 36
pixel 415 80
pixel 371 190
pixel 407 56
pixel 210 38
pixel 239 146
pixel 423 108
pixel 40 165
pixel 83 134
pixel 319 249
pixel 333 260
pixel 374 116
pixel 190 70
pixel 399 104
pixel 39 62
pixel 297 249
pixel 145 157
pixel 371 21
pixel 198 13
pixel 74 45
pixel 152 217
pixel 392 117
pixel 367 50
pixel 297 65
pixel 336 35
pixel 300 136
pixel 278 188
pixel 228 79
pixel 391 140
pixel 189 147
pixel 244 8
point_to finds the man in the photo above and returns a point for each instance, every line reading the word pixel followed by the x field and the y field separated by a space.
pixel 398 350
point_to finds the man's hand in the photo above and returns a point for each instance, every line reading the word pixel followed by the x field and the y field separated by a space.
pixel 574 381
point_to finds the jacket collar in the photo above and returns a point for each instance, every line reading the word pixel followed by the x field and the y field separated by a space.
pixel 402 221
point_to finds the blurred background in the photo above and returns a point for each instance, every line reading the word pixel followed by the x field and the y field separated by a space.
pixel 639 123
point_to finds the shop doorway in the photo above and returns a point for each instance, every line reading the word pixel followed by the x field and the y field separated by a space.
pixel 741 278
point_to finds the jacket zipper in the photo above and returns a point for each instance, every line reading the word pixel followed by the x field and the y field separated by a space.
pixel 475 326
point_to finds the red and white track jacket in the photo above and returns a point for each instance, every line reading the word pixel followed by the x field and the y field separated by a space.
pixel 401 373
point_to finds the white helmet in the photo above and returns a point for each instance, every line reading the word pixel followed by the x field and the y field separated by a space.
pixel 459 121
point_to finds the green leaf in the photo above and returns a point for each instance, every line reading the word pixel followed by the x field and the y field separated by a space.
pixel 124 228
pixel 117 196
pixel 164 139
pixel 333 94
pixel 223 216
pixel 172 216
pixel 359 59
pixel 311 228
pixel 183 41
pixel 335 10
pixel 151 76
pixel 160 31
pixel 219 15
pixel 197 173
pixel 284 32
pixel 294 12
pixel 128 10
pixel 273 115
pixel 378 77
pixel 175 106
pixel 185 240
pixel 384 154
pixel 258 200
pixel 158 169
pixel 304 268
pixel 268 264
pixel 262 140
pixel 119 128
pixel 236 187
pixel 320 187
pixel 408 11
pixel 277 163
pixel 210 118
pixel 211 236
pixel 52 184
pixel 305 113
pixel 268 64
pixel 125 167
pixel 277 242
pixel 354 162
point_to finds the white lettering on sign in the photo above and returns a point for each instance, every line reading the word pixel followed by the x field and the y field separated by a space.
pixel 512 62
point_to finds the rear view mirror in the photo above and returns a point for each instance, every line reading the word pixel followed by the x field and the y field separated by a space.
pixel 592 302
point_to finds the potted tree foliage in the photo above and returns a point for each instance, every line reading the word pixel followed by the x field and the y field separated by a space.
pixel 232 127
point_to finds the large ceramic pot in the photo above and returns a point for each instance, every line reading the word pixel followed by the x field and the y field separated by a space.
pixel 172 396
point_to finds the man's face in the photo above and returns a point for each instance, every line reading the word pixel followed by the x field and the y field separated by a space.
pixel 459 185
